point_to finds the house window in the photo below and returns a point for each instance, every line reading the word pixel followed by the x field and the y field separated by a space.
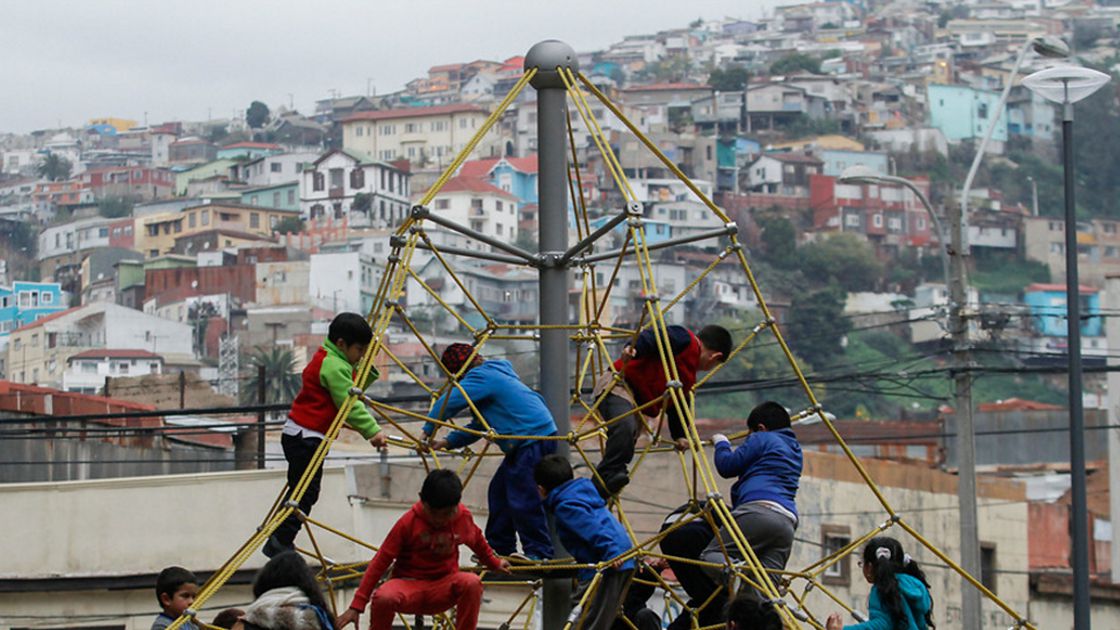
pixel 442 204
pixel 988 566
pixel 499 206
pixel 833 539
pixel 877 220
pixel 191 220
pixel 476 204
pixel 1057 248
pixel 205 218
pixel 276 199
pixel 318 181
pixel 291 197
pixel 410 127
pixel 276 167
pixel 254 220
pixel 254 200
pixel 360 131
pixel 982 111
pixel 272 221
pixel 499 229
pixel 336 178
pixel 35 340
pixel 357 178
pixel 47 298
pixel 1109 228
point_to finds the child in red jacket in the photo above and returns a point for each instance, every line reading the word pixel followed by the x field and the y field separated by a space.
pixel 643 381
pixel 425 545
pixel 326 384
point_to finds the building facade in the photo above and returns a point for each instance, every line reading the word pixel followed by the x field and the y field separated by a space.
pixel 427 136
pixel 331 187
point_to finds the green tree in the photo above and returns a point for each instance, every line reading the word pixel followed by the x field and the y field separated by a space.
pixel 845 259
pixel 816 325
pixel 54 167
pixel 288 225
pixel 796 62
pixel 363 202
pixel 257 115
pixel 115 207
pixel 732 78
pixel 281 376
pixel 779 241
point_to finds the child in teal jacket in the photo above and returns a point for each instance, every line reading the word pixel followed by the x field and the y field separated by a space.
pixel 900 598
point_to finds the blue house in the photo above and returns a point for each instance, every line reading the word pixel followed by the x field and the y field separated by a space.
pixel 836 160
pixel 517 176
pixel 962 112
pixel 25 302
pixel 1047 304
pixel 656 231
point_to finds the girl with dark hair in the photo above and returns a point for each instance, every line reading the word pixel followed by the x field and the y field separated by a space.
pixel 287 597
pixel 900 598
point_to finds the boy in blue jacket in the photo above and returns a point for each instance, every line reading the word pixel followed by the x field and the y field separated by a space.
pixel 591 534
pixel 768 464
pixel 510 408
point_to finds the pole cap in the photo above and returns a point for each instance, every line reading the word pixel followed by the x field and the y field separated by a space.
pixel 548 55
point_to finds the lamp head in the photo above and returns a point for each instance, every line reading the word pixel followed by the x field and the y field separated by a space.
pixel 860 174
pixel 1063 84
pixel 1050 46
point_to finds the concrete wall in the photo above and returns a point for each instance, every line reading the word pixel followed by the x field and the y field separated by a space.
pixel 124 528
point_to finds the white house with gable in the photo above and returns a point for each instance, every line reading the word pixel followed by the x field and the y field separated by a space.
pixel 483 207
pixel 329 186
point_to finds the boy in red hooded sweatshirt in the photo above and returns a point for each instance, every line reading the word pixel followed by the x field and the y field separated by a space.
pixel 643 381
pixel 426 577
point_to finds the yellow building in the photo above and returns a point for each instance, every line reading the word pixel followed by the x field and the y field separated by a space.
pixel 428 136
pixel 829 142
pixel 120 124
pixel 156 234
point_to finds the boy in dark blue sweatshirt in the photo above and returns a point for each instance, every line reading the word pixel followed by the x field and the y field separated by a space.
pixel 768 464
pixel 510 408
pixel 591 534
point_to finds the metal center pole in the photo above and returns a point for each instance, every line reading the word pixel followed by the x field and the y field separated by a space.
pixel 1079 508
pixel 552 187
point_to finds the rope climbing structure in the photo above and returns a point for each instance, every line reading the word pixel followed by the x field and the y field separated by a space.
pixel 564 96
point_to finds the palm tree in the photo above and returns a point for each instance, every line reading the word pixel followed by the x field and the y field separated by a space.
pixel 54 167
pixel 281 378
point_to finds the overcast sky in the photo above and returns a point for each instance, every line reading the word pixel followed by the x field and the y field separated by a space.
pixel 66 61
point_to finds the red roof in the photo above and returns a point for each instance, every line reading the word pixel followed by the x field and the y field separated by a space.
pixel 474 185
pixel 414 112
pixel 445 67
pixel 668 86
pixel 114 353
pixel 482 168
pixel 43 320
pixel 1042 286
pixel 1018 404
pixel 252 145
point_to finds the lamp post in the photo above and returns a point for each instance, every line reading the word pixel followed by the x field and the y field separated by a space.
pixel 954 273
pixel 1045 46
pixel 1067 85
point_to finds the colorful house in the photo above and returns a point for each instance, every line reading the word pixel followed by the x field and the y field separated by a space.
pixel 963 113
pixel 25 302
pixel 248 150
pixel 517 176
pixel 1047 304
pixel 282 196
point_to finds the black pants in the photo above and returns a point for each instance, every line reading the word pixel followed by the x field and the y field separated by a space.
pixel 298 451
pixel 619 449
pixel 689 541
pixel 634 605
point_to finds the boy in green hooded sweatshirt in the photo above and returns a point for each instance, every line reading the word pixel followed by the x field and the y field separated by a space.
pixel 327 380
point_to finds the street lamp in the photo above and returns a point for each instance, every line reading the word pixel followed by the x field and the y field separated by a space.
pixel 1046 46
pixel 953 270
pixel 860 174
pixel 1067 85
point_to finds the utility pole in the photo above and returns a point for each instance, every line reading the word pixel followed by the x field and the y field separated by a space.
pixel 1112 334
pixel 552 183
pixel 962 403
pixel 262 388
